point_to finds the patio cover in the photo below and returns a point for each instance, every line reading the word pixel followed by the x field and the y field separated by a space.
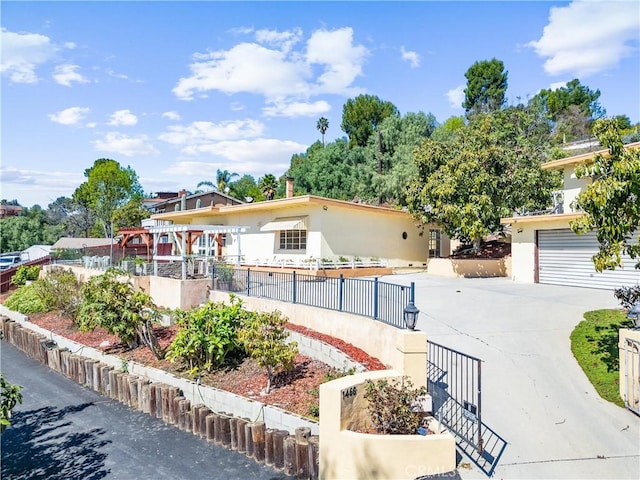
pixel 285 223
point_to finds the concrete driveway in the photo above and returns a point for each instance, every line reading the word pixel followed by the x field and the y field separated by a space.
pixel 534 394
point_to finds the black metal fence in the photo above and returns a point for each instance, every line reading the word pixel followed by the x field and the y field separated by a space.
pixel 368 298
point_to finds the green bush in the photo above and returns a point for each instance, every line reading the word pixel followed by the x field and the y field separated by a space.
pixel 394 406
pixel 110 301
pixel 59 290
pixel 26 300
pixel 24 274
pixel 265 339
pixel 10 397
pixel 207 336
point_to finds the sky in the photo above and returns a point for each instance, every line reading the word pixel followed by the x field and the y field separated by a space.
pixel 178 90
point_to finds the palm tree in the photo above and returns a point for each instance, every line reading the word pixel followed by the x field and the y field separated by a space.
pixel 223 179
pixel 322 125
pixel 269 185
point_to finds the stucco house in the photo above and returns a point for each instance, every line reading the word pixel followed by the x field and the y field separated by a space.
pixel 545 250
pixel 308 227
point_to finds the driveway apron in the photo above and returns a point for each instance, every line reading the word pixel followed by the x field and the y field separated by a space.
pixel 534 394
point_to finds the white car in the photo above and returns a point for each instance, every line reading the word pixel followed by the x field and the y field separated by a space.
pixel 9 261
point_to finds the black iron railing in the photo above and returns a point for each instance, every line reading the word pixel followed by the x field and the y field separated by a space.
pixel 368 298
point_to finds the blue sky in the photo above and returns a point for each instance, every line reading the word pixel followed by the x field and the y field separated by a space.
pixel 177 90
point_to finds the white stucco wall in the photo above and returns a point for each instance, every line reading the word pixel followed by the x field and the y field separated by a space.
pixel 572 187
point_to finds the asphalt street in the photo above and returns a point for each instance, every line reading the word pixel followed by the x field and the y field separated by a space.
pixel 63 431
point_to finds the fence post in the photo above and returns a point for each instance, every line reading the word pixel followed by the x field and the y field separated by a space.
pixel 375 298
pixel 341 280
pixel 412 296
pixel 248 278
pixel 294 286
pixel 213 276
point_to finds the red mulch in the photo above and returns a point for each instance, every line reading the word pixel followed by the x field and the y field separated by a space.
pixel 296 391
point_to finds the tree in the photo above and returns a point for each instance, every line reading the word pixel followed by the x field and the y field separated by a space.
pixel 611 202
pixel 488 170
pixel 447 129
pixel 108 188
pixel 269 186
pixel 131 214
pixel 246 188
pixel 573 105
pixel 322 125
pixel 264 337
pixel 362 115
pixel 76 219
pixel 29 228
pixel 486 87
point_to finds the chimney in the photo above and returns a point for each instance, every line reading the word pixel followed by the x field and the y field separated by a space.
pixel 289 187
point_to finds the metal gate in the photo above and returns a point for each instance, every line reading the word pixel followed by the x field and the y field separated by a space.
pixel 454 380
pixel 631 375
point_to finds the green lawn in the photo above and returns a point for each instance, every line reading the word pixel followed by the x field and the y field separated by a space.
pixel 594 343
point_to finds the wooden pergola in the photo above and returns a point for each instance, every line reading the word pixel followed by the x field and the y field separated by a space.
pixel 183 237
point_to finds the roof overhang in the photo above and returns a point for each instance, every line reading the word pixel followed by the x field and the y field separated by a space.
pixel 584 158
pixel 210 229
pixel 541 218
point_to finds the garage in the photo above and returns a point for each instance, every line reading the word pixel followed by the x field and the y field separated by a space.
pixel 564 258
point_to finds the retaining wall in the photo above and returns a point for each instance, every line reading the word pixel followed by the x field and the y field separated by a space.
pixel 221 417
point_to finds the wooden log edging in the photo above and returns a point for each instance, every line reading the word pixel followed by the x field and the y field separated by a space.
pixel 272 447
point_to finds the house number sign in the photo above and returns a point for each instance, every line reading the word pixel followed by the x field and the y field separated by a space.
pixel 349 392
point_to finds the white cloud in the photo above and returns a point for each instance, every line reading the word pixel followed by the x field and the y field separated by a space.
pixel 173 115
pixel 67 74
pixel 412 57
pixel 456 96
pixel 202 133
pixel 70 116
pixel 297 109
pixel 275 71
pixel 284 40
pixel 557 85
pixel 587 37
pixel 126 145
pixel 23 53
pixel 123 117
pixel 33 187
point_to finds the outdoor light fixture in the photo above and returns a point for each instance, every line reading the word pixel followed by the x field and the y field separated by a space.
pixel 632 314
pixel 411 315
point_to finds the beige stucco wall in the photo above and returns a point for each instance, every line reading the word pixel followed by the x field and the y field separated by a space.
pixel 629 367
pixel 348 454
pixel 523 245
pixel 572 187
pixel 470 268
pixel 332 232
pixel 174 293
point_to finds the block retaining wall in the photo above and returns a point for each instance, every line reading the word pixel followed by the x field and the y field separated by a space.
pixel 294 454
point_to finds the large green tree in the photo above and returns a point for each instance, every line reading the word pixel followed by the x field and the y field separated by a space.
pixel 571 109
pixel 269 186
pixel 486 87
pixel 244 188
pixel 31 227
pixel 611 202
pixel 362 115
pixel 108 188
pixel 487 170
pixel 76 219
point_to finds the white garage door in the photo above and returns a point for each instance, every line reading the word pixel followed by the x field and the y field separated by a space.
pixel 564 258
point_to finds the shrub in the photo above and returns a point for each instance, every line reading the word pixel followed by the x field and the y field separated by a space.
pixel 265 339
pixel 394 406
pixel 59 290
pixel 25 300
pixel 627 296
pixel 10 397
pixel 207 336
pixel 24 274
pixel 110 301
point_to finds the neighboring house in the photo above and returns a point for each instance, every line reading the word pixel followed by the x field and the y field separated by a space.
pixel 186 201
pixel 309 227
pixel 35 252
pixel 7 210
pixel 544 249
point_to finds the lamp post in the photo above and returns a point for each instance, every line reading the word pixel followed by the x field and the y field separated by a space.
pixel 634 313
pixel 411 312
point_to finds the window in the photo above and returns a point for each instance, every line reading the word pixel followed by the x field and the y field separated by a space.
pixel 293 239
pixel 434 243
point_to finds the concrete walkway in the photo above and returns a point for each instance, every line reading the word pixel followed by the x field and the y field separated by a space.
pixel 534 394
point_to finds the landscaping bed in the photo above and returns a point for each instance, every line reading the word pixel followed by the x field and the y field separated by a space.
pixel 295 391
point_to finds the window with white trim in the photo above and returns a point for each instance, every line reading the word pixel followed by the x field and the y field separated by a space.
pixel 293 239
pixel 434 243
